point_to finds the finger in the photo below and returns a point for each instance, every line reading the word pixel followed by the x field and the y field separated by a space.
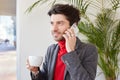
pixel 71 31
pixel 31 68
pixel 65 36
pixel 27 66
pixel 68 34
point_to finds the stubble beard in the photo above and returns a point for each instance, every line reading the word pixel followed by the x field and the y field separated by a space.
pixel 59 39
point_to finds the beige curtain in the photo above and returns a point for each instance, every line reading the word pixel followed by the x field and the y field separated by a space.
pixel 8 7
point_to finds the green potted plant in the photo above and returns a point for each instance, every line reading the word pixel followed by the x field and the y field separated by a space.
pixel 105 34
pixel 104 31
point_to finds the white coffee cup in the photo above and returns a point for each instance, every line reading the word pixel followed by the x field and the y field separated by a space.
pixel 35 60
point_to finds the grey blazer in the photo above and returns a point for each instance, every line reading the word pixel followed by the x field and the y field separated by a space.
pixel 81 64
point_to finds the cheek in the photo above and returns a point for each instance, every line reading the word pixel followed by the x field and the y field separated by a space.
pixel 65 28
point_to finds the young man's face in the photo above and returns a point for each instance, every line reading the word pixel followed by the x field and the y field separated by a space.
pixel 59 24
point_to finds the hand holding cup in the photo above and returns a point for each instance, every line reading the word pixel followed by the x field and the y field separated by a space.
pixel 34 62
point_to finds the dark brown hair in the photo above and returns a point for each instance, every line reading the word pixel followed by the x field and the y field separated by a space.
pixel 72 14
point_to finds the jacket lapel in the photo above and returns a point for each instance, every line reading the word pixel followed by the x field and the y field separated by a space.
pixel 55 52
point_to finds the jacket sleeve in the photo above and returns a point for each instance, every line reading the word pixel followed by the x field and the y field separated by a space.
pixel 43 71
pixel 82 69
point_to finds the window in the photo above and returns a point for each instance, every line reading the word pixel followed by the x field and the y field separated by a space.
pixel 8 47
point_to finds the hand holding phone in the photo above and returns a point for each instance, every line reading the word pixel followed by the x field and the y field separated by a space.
pixel 75 28
pixel 70 38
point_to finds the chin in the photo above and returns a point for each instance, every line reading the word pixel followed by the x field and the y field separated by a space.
pixel 58 39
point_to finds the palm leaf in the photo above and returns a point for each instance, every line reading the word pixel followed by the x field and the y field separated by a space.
pixel 115 4
pixel 105 34
pixel 33 5
pixel 40 2
pixel 80 4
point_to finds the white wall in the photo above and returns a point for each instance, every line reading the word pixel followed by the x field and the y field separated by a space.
pixel 33 35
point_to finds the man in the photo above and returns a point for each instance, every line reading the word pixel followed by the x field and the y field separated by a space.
pixel 69 59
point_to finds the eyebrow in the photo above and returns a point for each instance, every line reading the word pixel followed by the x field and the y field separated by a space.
pixel 57 21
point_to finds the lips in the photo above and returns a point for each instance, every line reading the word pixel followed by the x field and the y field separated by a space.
pixel 55 34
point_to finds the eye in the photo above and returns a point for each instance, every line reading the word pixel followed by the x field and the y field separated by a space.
pixel 60 23
pixel 51 23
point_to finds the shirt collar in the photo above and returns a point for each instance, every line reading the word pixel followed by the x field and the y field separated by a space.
pixel 61 44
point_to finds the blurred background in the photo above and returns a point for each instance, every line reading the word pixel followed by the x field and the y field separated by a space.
pixel 7 39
